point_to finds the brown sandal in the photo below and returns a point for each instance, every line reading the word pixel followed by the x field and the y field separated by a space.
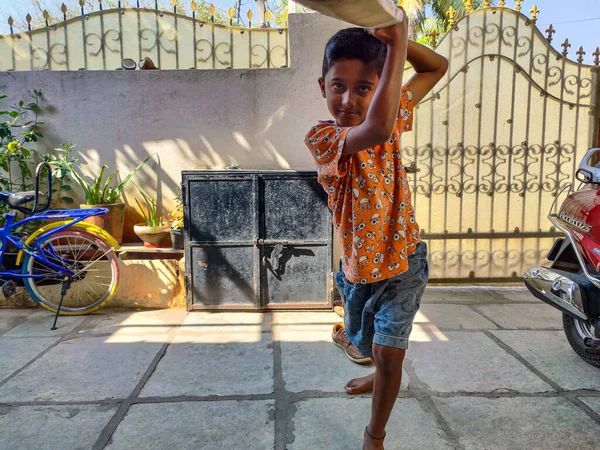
pixel 340 338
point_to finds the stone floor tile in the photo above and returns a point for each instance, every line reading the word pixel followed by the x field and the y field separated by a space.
pixel 204 365
pixel 86 368
pixel 592 402
pixel 10 318
pixel 310 360
pixel 16 352
pixel 518 423
pixel 134 323
pixel 551 354
pixel 338 424
pixel 223 425
pixel 73 427
pixel 513 294
pixel 523 316
pixel 38 324
pixel 306 318
pixel 453 294
pixel 470 362
pixel 198 323
pixel 452 317
pixel 197 318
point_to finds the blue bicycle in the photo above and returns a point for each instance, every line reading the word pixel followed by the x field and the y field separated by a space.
pixel 67 266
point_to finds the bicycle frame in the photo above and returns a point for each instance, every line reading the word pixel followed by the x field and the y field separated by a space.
pixel 6 237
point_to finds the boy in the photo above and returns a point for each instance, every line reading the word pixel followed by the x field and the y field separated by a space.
pixel 383 269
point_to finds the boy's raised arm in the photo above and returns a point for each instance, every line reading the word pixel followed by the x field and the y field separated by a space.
pixel 381 116
pixel 429 67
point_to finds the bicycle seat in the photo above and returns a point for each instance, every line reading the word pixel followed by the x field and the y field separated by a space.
pixel 18 199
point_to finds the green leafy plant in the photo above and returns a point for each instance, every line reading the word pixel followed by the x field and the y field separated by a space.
pixel 62 167
pixel 150 214
pixel 176 215
pixel 15 158
pixel 17 130
pixel 100 191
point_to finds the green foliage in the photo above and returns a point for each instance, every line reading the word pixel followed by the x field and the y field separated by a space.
pixel 62 167
pixel 177 214
pixel 100 191
pixel 280 20
pixel 17 130
pixel 203 14
pixel 434 17
pixel 150 213
pixel 55 15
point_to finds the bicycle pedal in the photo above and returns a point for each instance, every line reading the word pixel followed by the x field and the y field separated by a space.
pixel 9 289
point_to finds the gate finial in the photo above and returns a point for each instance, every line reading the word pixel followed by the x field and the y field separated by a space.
pixel 597 56
pixel 485 3
pixel 580 52
pixel 518 5
pixel 503 3
pixel 550 32
pixel 469 6
pixel 451 14
pixel 534 13
pixel 566 46
pixel 433 35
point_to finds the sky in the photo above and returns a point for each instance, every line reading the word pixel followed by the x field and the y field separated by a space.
pixel 577 20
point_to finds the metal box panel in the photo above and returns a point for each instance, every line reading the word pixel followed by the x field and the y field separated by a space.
pixel 223 276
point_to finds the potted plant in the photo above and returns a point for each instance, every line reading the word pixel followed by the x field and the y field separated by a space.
pixel 100 194
pixel 177 224
pixel 154 232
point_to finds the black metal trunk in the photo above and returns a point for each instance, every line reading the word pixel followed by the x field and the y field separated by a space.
pixel 257 240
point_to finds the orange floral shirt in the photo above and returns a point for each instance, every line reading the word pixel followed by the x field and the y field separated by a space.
pixel 370 199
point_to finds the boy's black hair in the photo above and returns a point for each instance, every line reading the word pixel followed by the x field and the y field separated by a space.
pixel 354 43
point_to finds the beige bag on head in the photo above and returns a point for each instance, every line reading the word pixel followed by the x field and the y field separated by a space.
pixel 362 13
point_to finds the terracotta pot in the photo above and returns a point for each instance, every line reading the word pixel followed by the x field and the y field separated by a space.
pixel 112 222
pixel 152 235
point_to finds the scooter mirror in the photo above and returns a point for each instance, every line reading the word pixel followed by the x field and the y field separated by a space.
pixel 588 171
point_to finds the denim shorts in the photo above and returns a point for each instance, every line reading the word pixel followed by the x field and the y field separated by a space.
pixel 383 312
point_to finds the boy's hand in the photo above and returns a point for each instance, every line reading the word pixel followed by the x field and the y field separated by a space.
pixel 394 34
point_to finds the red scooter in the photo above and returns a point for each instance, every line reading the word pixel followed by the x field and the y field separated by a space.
pixel 571 283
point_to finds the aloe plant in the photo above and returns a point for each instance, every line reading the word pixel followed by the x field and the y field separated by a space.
pixel 150 214
pixel 100 191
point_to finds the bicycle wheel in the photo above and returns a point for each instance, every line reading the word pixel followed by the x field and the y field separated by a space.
pixel 95 267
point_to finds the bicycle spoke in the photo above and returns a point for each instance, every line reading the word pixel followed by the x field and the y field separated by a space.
pixel 94 262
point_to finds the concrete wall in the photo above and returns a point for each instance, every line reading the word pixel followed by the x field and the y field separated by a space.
pixel 193 119
pixel 154 283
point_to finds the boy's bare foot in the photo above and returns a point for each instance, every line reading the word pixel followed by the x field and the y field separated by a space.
pixel 360 385
pixel 372 442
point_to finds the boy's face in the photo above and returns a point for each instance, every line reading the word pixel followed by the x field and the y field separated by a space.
pixel 349 87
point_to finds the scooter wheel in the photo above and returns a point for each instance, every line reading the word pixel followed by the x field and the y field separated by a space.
pixel 576 331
